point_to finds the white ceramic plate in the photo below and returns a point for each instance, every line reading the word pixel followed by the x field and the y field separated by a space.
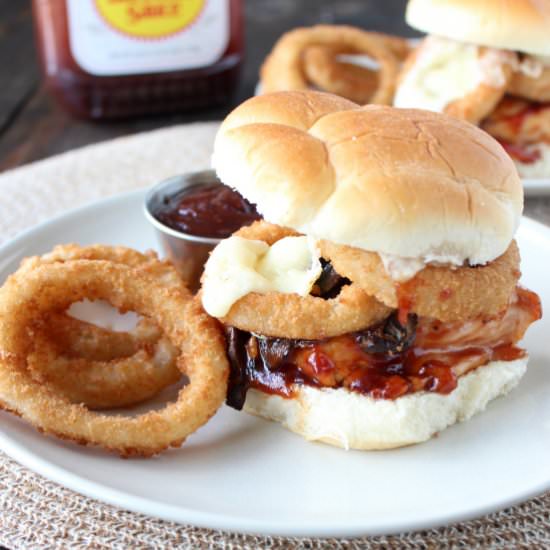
pixel 245 474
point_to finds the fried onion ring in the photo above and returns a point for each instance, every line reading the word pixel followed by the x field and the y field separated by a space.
pixel 443 293
pixel 519 121
pixel 479 103
pixel 283 68
pixel 100 368
pixel 294 316
pixel 497 67
pixel 115 369
pixel 326 72
pixel 52 288
pixel 528 87
pixel 81 339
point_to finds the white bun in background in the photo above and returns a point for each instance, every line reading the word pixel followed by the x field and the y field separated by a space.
pixel 397 181
pixel 522 25
pixel 353 421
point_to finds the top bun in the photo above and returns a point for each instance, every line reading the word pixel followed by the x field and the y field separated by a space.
pixel 405 182
pixel 520 25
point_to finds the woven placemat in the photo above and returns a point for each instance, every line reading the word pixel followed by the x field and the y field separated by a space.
pixel 36 513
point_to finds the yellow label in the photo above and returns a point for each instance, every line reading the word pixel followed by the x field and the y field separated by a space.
pixel 149 18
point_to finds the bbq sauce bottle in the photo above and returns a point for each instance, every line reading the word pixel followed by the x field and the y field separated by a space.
pixel 105 59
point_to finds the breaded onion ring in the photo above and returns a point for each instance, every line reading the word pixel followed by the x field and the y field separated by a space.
pixel 519 121
pixel 528 87
pixel 294 316
pixel 100 368
pixel 326 72
pixel 76 338
pixel 282 70
pixel 479 103
pixel 135 367
pixel 497 67
pixel 443 293
pixel 53 287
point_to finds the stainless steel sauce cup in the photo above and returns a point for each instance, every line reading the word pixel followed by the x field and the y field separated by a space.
pixel 187 252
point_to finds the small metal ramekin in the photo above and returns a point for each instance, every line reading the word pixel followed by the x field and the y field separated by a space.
pixel 187 252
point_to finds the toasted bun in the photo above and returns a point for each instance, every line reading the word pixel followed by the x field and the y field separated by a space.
pixel 397 181
pixel 354 421
pixel 520 25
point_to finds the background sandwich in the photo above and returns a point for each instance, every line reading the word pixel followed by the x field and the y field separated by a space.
pixel 489 63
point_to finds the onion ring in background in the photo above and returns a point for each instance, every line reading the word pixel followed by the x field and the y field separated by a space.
pixel 283 68
pixel 52 288
pixel 532 88
pixel 293 316
pixel 498 65
pixel 519 121
pixel 481 102
pixel 443 293
pixel 137 365
pixel 326 71
pixel 99 368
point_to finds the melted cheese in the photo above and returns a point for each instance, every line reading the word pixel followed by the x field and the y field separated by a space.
pixel 445 71
pixel 239 266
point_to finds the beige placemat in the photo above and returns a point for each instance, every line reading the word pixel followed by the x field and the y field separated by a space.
pixel 36 513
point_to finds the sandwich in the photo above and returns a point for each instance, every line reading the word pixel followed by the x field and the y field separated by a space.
pixel 488 63
pixel 377 301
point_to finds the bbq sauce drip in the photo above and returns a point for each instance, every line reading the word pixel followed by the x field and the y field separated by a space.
pixel 381 362
pixel 378 361
pixel 211 210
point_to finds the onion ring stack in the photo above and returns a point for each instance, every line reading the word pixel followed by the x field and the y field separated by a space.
pixel 101 368
pixel 293 316
pixel 308 56
pixel 45 287
pixel 443 293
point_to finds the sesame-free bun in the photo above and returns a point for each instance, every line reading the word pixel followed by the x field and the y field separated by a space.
pixel 405 182
pixel 354 421
pixel 521 25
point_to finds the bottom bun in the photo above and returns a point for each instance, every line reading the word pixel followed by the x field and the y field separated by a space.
pixel 354 421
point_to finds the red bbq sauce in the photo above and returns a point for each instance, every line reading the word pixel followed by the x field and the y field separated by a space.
pixel 405 299
pixel 428 357
pixel 522 153
pixel 516 120
pixel 209 210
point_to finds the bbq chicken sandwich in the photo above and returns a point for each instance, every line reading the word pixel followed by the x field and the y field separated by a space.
pixel 377 301
pixel 487 62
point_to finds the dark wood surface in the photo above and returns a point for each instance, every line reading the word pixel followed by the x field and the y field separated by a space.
pixel 33 127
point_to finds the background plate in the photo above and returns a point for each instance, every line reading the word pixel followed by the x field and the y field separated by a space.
pixel 245 474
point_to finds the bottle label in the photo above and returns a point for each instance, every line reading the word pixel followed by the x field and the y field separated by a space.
pixel 121 37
